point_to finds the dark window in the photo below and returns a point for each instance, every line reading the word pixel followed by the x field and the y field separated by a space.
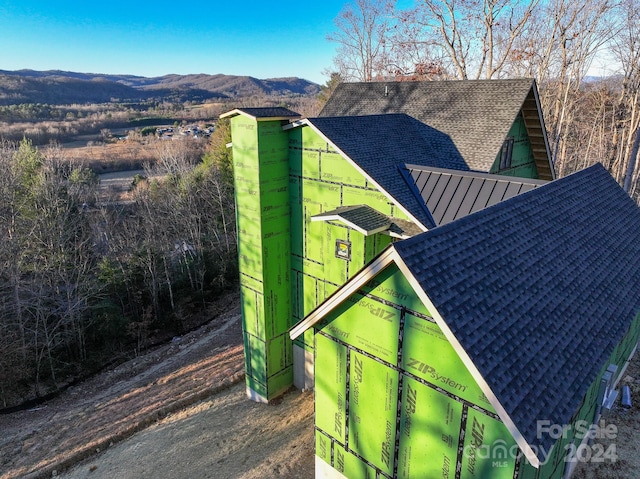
pixel 506 152
pixel 343 249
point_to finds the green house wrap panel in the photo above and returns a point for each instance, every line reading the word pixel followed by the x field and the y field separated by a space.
pixel 261 175
pixel 331 387
pixel 429 424
pixel 522 160
pixel 336 170
pixel 323 446
pixel 279 353
pixel 427 354
pixel 489 450
pixel 281 380
pixel 311 140
pixel 326 196
pixel 373 403
pixel 297 220
pixel 310 294
pixel 250 283
pixel 255 358
pixel 350 465
pixel 371 197
pixel 392 286
pixel 311 163
pixel 368 325
pixel 250 315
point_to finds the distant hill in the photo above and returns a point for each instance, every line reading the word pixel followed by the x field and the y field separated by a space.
pixel 57 87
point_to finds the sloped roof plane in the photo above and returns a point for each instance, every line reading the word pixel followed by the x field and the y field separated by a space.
pixel 450 194
pixel 475 114
pixel 263 113
pixel 534 293
pixel 379 145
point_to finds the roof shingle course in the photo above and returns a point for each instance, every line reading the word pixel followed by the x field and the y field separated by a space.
pixel 476 114
pixel 538 289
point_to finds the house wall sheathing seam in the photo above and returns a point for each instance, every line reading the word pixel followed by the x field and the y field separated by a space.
pixel 523 163
pixel 321 180
pixel 391 392
pixel 263 226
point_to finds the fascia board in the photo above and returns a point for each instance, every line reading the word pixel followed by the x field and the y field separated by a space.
pixel 343 293
pixel 295 124
pixel 349 224
pixel 240 111
pixel 357 167
pixel 468 362
pixel 536 96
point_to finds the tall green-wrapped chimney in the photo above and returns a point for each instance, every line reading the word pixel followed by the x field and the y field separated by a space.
pixel 261 177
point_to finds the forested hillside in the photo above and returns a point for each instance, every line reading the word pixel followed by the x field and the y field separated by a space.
pixel 84 283
pixel 62 88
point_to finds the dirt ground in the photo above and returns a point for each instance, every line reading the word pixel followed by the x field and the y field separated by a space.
pixel 226 436
pixel 180 411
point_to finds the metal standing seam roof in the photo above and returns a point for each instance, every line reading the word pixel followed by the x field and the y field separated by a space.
pixel 534 293
pixel 450 195
pixel 538 290
pixel 475 114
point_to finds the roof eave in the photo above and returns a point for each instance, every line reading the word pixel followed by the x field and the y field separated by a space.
pixel 536 96
pixel 523 444
pixel 240 111
pixel 306 122
pixel 350 224
pixel 342 294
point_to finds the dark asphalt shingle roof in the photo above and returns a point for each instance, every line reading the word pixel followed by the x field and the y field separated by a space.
pixel 364 217
pixel 476 114
pixel 538 290
pixel 264 112
pixel 382 144
pixel 369 221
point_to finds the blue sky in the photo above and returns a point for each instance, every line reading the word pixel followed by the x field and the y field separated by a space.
pixel 152 38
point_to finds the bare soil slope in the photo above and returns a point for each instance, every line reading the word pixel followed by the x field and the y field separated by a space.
pixel 194 384
pixel 180 411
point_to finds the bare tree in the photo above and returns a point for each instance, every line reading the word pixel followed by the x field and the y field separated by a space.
pixel 469 39
pixel 625 48
pixel 363 28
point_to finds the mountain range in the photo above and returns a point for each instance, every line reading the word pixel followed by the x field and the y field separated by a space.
pixel 56 87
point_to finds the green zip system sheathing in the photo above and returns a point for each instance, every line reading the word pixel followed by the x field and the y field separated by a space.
pixel 393 398
pixel 322 180
pixel 392 387
pixel 288 263
pixel 261 178
pixel 522 162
